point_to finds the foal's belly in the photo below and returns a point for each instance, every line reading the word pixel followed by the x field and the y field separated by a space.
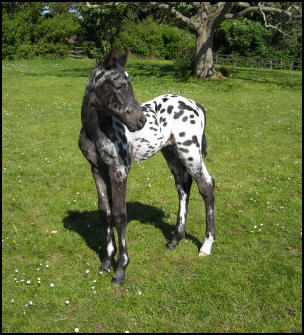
pixel 148 142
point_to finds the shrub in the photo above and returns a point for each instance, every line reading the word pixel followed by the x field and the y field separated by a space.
pixel 99 28
pixel 224 71
pixel 241 37
pixel 184 67
pixel 245 37
pixel 8 51
pixel 87 47
pixel 26 51
pixel 93 51
pixel 55 50
pixel 148 38
pixel 26 33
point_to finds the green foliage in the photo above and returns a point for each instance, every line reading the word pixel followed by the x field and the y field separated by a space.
pixel 147 38
pixel 184 67
pixel 242 36
pixel 246 37
pixel 19 27
pixel 141 38
pixel 100 28
pixel 25 51
pixel 27 33
pixel 90 48
pixel 225 71
pixel 43 28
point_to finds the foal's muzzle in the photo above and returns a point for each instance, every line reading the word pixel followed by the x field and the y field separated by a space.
pixel 141 122
pixel 137 124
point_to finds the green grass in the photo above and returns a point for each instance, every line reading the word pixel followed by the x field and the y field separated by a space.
pixel 252 282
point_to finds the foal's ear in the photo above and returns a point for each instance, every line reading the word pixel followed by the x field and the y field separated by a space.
pixel 111 59
pixel 122 60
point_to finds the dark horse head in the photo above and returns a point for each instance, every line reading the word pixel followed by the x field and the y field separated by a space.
pixel 113 92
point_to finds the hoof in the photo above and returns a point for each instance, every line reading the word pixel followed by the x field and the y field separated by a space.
pixel 117 282
pixel 119 277
pixel 105 268
pixel 202 254
pixel 170 246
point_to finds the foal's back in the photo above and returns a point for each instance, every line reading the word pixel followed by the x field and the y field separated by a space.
pixel 171 120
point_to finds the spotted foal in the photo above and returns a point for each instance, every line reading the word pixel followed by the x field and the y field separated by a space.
pixel 117 131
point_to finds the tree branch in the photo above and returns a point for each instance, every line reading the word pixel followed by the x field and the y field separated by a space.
pixel 104 5
pixel 256 9
pixel 242 4
pixel 267 25
pixel 192 25
pixel 195 4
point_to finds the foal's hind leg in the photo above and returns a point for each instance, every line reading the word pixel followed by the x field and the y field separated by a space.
pixel 206 185
pixel 183 181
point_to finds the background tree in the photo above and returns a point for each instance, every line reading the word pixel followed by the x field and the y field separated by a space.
pixel 203 18
pixel 161 30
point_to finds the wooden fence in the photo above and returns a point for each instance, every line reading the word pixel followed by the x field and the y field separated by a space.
pixel 271 63
pixel 77 52
pixel 220 59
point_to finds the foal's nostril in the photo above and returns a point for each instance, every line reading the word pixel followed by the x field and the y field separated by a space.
pixel 142 120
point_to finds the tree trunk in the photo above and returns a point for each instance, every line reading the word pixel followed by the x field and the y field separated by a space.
pixel 204 58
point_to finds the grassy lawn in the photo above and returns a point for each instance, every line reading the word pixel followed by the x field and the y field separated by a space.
pixel 51 230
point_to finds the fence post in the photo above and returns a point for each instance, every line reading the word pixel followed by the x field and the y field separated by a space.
pixel 291 65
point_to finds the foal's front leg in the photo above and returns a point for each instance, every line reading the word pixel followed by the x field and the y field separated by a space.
pixel 105 213
pixel 118 177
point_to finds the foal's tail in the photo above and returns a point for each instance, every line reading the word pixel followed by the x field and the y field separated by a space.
pixel 204 139
pixel 204 145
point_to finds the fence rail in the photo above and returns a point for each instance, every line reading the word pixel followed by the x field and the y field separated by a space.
pixel 271 63
pixel 77 52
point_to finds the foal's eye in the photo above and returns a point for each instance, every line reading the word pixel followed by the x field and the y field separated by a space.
pixel 117 87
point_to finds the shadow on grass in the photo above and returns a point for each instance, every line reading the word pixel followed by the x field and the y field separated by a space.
pixel 264 76
pixel 75 72
pixel 88 225
pixel 150 69
pixel 160 69
pixel 141 69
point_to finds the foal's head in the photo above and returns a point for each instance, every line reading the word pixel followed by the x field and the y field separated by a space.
pixel 114 90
